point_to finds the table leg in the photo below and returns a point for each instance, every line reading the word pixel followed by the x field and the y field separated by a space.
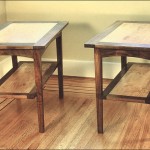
pixel 14 61
pixel 39 89
pixel 60 65
pixel 123 62
pixel 99 89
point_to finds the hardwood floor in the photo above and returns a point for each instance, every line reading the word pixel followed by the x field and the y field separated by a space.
pixel 71 123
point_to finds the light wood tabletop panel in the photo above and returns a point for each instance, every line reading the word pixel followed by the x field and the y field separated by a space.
pixel 24 32
pixel 123 35
pixel 29 35
pixel 135 33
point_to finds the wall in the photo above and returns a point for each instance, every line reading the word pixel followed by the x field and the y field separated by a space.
pixel 2 18
pixel 2 12
pixel 86 18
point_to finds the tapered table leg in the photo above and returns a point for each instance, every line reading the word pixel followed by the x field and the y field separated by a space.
pixel 60 65
pixel 38 82
pixel 14 62
pixel 123 62
pixel 99 89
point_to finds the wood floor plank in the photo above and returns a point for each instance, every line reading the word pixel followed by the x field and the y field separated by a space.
pixel 2 100
pixel 66 120
pixel 71 122
pixel 4 103
pixel 72 127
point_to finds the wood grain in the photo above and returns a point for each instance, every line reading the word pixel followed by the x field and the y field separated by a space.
pixel 71 124
pixel 22 81
pixel 95 40
pixel 14 33
pixel 39 90
pixel 99 89
pixel 4 102
pixel 60 66
pixel 136 82
pixel 122 41
pixel 29 35
pixel 135 33
pixel 30 39
pixel 123 35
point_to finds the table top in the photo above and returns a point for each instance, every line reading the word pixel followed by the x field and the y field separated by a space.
pixel 29 35
pixel 123 34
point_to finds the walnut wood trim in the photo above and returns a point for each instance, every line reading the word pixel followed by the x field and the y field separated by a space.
pixel 108 53
pixel 122 46
pixel 99 89
pixel 25 53
pixel 147 101
pixel 48 73
pixel 144 54
pixel 14 61
pixel 16 46
pixel 60 65
pixel 123 62
pixel 39 90
pixel 124 53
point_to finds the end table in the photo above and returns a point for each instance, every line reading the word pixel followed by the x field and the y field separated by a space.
pixel 123 38
pixel 26 79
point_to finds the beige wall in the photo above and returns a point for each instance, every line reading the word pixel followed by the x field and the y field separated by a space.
pixel 2 11
pixel 86 18
pixel 2 17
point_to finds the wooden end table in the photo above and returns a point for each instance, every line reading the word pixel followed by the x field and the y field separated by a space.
pixel 123 38
pixel 26 79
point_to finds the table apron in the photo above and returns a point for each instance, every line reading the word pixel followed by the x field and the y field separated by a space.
pixel 130 53
pixel 24 53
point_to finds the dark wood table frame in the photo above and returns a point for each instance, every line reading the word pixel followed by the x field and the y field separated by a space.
pixel 107 49
pixel 35 51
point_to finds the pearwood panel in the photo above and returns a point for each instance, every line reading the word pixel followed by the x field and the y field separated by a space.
pixel 136 82
pixel 137 33
pixel 22 80
pixel 24 32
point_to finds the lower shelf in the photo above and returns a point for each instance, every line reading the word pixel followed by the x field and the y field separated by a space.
pixel 21 82
pixel 134 84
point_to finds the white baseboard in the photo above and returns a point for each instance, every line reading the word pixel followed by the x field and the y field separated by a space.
pixel 71 67
pixel 5 66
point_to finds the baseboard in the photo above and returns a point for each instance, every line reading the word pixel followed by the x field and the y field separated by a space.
pixel 71 67
pixel 5 66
